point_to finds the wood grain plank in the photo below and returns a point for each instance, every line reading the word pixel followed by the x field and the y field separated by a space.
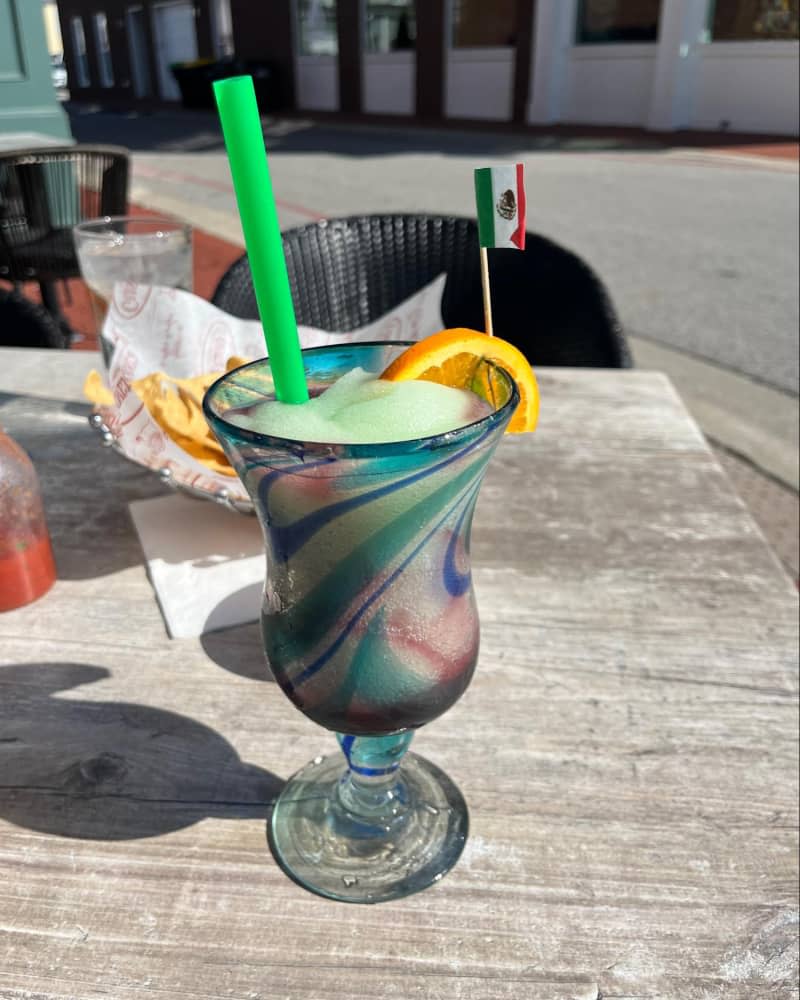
pixel 628 747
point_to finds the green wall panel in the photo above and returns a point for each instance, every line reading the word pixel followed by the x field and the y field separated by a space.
pixel 28 101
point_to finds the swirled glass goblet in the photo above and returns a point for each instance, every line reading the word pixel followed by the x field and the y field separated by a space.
pixel 369 623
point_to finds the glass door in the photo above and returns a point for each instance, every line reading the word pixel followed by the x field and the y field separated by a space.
pixel 79 49
pixel 137 52
pixel 175 40
pixel 480 60
pixel 389 56
pixel 316 55
pixel 103 48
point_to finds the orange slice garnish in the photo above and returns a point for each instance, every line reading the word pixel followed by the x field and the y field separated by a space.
pixel 458 358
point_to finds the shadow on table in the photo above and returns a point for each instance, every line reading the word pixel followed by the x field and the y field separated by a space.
pixel 86 488
pixel 111 770
pixel 238 649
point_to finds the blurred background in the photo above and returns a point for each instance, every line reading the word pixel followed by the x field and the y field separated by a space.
pixel 659 139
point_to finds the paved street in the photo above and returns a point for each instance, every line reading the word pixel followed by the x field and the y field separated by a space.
pixel 698 249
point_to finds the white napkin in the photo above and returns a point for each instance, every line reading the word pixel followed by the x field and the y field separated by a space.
pixel 206 564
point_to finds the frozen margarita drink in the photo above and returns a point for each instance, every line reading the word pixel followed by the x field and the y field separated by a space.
pixel 365 491
pixel 361 408
pixel 365 494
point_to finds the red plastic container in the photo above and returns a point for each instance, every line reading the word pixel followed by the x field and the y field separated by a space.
pixel 27 569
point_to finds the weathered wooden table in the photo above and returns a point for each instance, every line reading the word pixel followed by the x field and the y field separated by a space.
pixel 627 748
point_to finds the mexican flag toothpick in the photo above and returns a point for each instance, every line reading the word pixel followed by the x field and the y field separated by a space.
pixel 500 201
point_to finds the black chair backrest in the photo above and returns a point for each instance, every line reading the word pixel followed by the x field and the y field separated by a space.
pixel 24 323
pixel 345 273
pixel 44 192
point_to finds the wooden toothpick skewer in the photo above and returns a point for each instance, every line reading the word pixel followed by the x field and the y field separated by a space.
pixel 487 296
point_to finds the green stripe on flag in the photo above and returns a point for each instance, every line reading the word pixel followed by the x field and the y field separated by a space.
pixel 484 200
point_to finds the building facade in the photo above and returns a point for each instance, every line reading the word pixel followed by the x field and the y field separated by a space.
pixel 655 64
pixel 29 107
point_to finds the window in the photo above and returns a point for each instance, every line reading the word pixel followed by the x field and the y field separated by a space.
pixel 750 20
pixel 222 28
pixel 617 21
pixel 391 25
pixel 79 48
pixel 477 23
pixel 104 63
pixel 317 27
pixel 137 52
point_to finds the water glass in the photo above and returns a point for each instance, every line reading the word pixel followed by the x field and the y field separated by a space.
pixel 146 250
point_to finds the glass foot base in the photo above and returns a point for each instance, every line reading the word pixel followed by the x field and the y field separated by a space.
pixel 323 845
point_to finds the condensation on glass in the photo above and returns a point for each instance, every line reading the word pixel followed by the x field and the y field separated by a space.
pixel 103 48
pixel 391 25
pixel 369 621
pixel 316 22
pixel 615 21
pixel 79 48
pixel 754 20
pixel 477 24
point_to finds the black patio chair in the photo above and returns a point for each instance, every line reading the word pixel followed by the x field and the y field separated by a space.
pixel 345 273
pixel 43 194
pixel 24 323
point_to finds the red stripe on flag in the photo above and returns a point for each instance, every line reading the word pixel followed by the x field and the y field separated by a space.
pixel 518 236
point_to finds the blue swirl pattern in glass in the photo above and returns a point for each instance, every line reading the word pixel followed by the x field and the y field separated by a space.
pixel 369 619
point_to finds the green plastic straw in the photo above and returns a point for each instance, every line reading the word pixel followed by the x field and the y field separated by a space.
pixel 244 141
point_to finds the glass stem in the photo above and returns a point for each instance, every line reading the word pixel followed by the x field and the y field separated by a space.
pixel 371 789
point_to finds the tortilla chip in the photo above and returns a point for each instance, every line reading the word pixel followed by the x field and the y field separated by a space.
pixel 176 406
pixel 234 361
pixel 96 391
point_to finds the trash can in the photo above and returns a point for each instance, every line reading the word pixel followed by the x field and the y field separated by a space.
pixel 195 81
pixel 267 82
